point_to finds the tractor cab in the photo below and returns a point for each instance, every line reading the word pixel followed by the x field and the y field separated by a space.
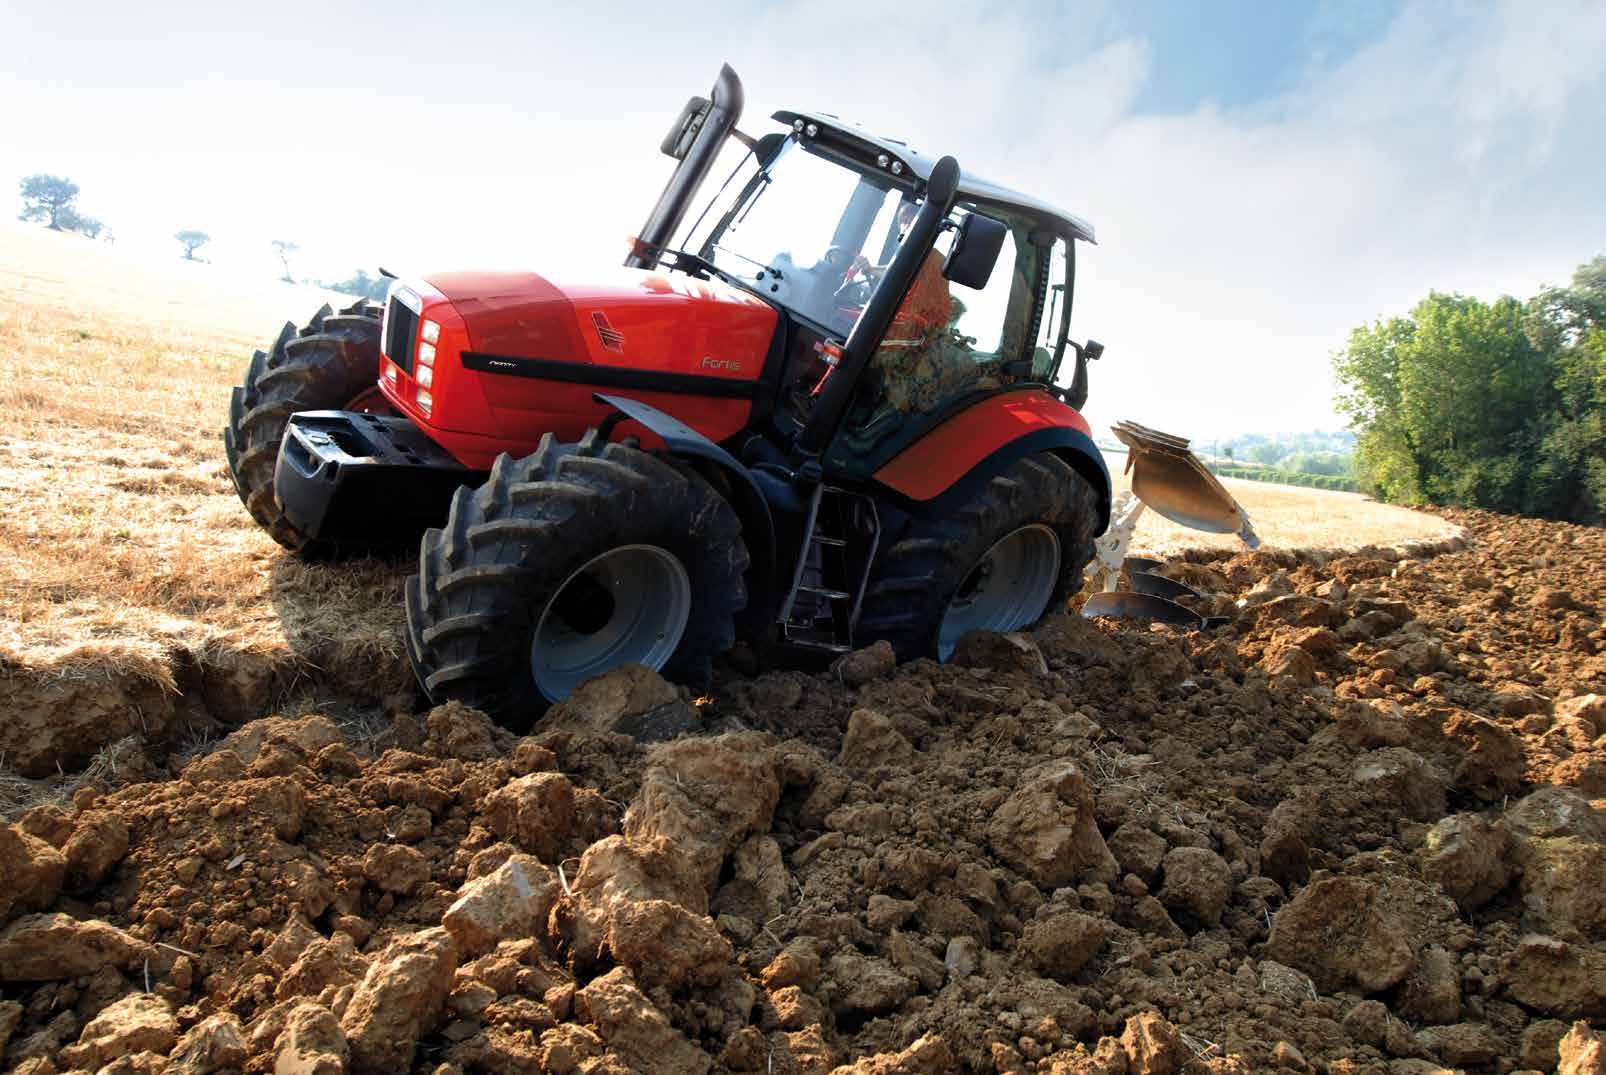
pixel 811 220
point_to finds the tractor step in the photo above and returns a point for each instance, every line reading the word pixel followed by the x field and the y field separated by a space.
pixel 819 614
pixel 347 477
pixel 820 591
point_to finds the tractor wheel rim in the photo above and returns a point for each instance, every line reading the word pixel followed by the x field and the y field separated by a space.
pixel 1008 588
pixel 630 605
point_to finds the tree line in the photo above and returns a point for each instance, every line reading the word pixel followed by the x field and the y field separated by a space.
pixel 1342 482
pixel 1496 405
pixel 50 200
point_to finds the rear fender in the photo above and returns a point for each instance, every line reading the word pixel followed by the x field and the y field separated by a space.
pixel 952 462
pixel 727 475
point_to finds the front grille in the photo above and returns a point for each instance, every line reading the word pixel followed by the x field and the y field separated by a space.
pixel 399 336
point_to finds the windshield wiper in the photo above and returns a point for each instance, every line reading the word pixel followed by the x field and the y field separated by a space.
pixel 685 260
pixel 772 270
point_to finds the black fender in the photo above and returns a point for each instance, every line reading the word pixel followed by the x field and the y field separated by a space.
pixel 731 478
pixel 1071 445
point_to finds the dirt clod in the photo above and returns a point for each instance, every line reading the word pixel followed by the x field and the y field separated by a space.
pixel 1152 1045
pixel 1581 1052
pixel 1336 932
pixel 400 999
pixel 139 1022
pixel 33 869
pixel 1046 829
pixel 1198 883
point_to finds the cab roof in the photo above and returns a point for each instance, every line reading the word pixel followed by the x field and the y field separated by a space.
pixel 971 185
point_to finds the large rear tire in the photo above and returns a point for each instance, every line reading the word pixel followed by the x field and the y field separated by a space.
pixel 1016 550
pixel 568 562
pixel 327 365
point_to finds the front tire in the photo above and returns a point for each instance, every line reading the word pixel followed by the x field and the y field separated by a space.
pixel 1015 550
pixel 328 365
pixel 569 562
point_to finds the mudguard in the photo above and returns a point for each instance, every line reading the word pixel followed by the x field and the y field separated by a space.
pixel 956 458
pixel 758 528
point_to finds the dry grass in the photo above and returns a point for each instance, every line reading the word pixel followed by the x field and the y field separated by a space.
pixel 121 535
pixel 1291 517
pixel 18 794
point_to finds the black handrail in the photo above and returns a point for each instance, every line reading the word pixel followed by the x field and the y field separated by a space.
pixel 872 325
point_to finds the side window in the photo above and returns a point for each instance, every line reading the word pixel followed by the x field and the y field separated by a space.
pixel 1054 300
pixel 982 318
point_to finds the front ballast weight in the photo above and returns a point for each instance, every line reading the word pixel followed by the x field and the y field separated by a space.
pixel 1169 478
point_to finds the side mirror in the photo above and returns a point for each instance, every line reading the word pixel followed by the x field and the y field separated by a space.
pixel 677 143
pixel 975 251
pixel 1092 349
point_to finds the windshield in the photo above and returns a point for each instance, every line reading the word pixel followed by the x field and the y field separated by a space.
pixel 808 233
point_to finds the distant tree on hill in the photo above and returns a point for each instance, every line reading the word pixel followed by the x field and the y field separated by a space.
pixel 192 241
pixel 49 198
pixel 89 226
pixel 372 287
pixel 284 249
pixel 1267 452
pixel 1329 463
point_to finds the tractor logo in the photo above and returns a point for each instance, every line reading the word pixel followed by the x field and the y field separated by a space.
pixel 721 364
pixel 612 339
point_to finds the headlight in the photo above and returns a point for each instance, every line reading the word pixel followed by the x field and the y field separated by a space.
pixel 425 401
pixel 426 354
pixel 431 331
pixel 426 376
pixel 390 372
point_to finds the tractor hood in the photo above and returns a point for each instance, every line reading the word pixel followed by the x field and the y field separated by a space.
pixel 634 319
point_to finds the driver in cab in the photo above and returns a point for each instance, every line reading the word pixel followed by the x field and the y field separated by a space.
pixel 906 358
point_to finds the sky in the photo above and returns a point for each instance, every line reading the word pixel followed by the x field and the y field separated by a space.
pixel 1263 176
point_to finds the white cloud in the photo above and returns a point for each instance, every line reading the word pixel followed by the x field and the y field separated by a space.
pixel 1459 150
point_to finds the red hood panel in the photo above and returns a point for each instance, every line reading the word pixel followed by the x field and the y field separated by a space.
pixel 638 319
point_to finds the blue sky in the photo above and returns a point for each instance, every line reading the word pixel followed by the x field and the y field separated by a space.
pixel 1238 53
pixel 1263 176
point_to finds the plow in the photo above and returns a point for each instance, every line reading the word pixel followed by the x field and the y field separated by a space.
pixel 818 408
pixel 1169 479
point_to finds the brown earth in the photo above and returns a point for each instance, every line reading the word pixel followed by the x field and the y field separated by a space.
pixel 1350 832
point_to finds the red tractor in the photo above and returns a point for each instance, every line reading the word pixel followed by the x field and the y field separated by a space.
pixel 822 413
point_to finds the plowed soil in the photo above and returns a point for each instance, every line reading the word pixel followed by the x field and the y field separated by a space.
pixel 1351 831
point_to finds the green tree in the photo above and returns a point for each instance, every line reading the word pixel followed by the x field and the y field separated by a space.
pixel 1369 373
pixel 1496 405
pixel 192 241
pixel 1473 387
pixel 372 287
pixel 89 226
pixel 284 249
pixel 49 198
pixel 1569 476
